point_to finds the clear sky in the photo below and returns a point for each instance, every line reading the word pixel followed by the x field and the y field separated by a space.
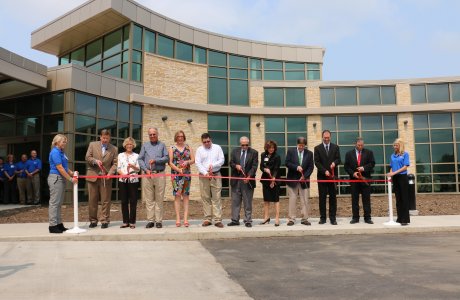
pixel 364 39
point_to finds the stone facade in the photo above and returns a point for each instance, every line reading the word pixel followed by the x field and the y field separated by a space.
pixel 406 123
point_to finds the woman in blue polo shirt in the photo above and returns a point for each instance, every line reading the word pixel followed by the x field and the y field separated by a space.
pixel 398 172
pixel 59 173
pixel 10 180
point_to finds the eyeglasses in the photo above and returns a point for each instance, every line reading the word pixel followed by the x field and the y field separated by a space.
pixel 244 145
pixel 179 136
pixel 152 134
pixel 206 142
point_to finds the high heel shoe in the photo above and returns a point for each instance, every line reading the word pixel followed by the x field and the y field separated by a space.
pixel 277 224
pixel 266 221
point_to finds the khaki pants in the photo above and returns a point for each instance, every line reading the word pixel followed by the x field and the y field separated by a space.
pixel 303 195
pixel 24 186
pixel 35 182
pixel 153 193
pixel 210 196
pixel 99 192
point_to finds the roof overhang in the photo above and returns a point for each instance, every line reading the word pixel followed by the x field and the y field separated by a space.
pixel 19 75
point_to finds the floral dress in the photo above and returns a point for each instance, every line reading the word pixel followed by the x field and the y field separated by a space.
pixel 181 184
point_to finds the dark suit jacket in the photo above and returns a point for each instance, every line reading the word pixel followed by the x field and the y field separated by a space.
pixel 250 167
pixel 367 161
pixel 109 160
pixel 273 163
pixel 292 162
pixel 324 160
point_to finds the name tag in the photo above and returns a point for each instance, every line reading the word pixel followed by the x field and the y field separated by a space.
pixel 266 159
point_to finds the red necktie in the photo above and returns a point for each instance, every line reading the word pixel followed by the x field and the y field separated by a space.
pixel 359 158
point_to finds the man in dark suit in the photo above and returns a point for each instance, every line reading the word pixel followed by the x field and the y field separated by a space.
pixel 244 162
pixel 299 162
pixel 327 158
pixel 101 159
pixel 359 164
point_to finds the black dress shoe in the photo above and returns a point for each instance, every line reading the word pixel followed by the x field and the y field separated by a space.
pixel 233 223
pixel 159 225
pixel 54 229
pixel 92 225
pixel 334 222
pixel 322 221
pixel 354 221
pixel 277 224
pixel 290 223
pixel 61 226
pixel 404 224
pixel 104 225
pixel 150 225
pixel 305 222
pixel 266 221
pixel 368 221
pixel 248 224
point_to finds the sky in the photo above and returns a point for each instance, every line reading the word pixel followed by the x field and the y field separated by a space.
pixel 364 39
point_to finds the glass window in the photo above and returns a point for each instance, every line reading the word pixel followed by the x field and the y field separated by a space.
pixel 372 137
pixel 137 56
pixel 238 62
pixel 327 97
pixel 421 136
pixel 124 71
pixel 54 123
pixel 278 138
pixel 422 153
pixel 116 72
pixel 347 138
pixel 420 121
pixel 137 37
pixel 390 122
pixel 440 120
pixel 165 46
pixel 184 51
pixel 7 128
pixel 418 94
pixel 85 104
pixel 126 37
pixel 256 75
pixel 54 103
pixel 442 153
pixel 137 130
pixel 136 111
pixel 112 62
pixel 296 124
pixel 112 43
pixel 200 55
pixel 455 91
pixel 123 112
pixel 219 138
pixel 273 97
pixel 371 122
pixel 78 56
pixel 273 65
pixel 85 124
pixel 28 126
pixel 136 71
pixel 273 75
pixel 239 94
pixel 217 58
pixel 295 97
pixel 81 146
pixel 64 60
pixel 313 66
pixel 441 135
pixel 96 67
pixel 94 52
pixel 107 124
pixel 328 123
pixel 235 137
pixel 313 75
pixel 218 72
pixel 294 66
pixel 217 122
pixel 274 124
pixel 123 130
pixel 255 63
pixel 345 96
pixel 149 42
pixel 107 108
pixel 438 93
pixel 29 106
pixel 388 95
pixel 239 123
pixel 347 122
pixel 217 91
pixel 295 75
pixel 369 95
pixel 237 73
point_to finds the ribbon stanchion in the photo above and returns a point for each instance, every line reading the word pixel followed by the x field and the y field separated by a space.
pixel 75 228
pixel 390 222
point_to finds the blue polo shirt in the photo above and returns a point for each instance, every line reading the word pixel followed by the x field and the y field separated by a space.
pixel 399 161
pixel 58 157
pixel 21 166
pixel 10 169
pixel 33 164
pixel 2 169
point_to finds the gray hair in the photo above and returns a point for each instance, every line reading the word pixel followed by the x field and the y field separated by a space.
pixel 244 138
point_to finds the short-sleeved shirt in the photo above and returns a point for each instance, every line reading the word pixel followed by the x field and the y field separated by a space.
pixel 58 157
pixel 2 169
pixel 21 166
pixel 399 161
pixel 10 169
pixel 33 164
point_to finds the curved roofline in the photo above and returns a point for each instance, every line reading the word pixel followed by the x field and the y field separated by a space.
pixel 96 17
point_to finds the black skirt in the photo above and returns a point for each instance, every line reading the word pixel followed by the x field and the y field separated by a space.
pixel 271 194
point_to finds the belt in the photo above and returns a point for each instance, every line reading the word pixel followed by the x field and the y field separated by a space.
pixel 157 171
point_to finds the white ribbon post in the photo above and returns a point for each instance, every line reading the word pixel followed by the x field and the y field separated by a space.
pixel 390 222
pixel 75 228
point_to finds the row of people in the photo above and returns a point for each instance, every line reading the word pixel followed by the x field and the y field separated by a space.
pixel 20 178
pixel 103 159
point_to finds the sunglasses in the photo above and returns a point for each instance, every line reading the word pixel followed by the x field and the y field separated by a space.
pixel 244 145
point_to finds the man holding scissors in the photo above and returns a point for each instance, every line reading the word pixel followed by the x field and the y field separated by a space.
pixel 359 164
pixel 101 159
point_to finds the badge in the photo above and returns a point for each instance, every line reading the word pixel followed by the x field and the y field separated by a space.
pixel 266 159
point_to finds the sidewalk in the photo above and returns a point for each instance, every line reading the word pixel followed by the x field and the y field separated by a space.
pixel 169 232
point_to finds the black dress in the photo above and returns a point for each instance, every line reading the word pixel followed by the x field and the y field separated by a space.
pixel 272 162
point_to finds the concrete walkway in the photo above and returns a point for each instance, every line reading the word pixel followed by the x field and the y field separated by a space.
pixel 169 232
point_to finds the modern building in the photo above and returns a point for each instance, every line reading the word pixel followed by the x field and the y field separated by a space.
pixel 125 67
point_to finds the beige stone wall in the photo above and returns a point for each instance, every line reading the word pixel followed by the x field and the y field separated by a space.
pixel 257 143
pixel 256 96
pixel 406 123
pixel 171 79
pixel 313 97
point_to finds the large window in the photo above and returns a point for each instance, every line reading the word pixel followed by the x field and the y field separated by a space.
pixel 378 132
pixel 436 151
pixel 226 131
pixel 349 96
pixel 284 97
pixel 435 93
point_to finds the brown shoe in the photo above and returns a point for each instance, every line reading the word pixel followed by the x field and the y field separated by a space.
pixel 219 224
pixel 206 223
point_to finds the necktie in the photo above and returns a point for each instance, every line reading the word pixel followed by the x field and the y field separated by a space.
pixel 327 148
pixel 359 158
pixel 243 158
pixel 300 157
pixel 103 150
